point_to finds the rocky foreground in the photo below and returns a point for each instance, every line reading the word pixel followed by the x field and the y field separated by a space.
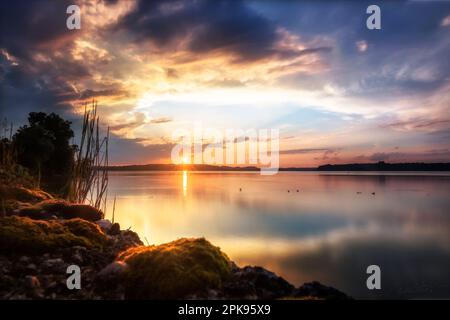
pixel 41 236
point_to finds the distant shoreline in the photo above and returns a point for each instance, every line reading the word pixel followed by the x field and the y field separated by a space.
pixel 379 166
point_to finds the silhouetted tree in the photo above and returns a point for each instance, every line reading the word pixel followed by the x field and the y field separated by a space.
pixel 44 147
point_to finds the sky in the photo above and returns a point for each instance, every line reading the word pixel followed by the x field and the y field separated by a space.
pixel 336 91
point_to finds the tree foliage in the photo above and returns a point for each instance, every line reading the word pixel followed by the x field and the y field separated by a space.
pixel 44 147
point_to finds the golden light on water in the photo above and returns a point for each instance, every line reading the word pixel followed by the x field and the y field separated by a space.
pixel 185 182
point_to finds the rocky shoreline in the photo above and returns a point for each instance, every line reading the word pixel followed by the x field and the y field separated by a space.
pixel 41 236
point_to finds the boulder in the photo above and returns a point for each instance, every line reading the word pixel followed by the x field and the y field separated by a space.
pixel 82 211
pixel 316 290
pixel 124 240
pixel 114 230
pixel 112 271
pixel 175 270
pixel 257 283
pixel 61 209
pixel 104 224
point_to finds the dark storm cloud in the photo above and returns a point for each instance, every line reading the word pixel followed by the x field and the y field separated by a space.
pixel 30 25
pixel 207 26
pixel 23 91
pixel 233 27
pixel 44 86
pixel 29 28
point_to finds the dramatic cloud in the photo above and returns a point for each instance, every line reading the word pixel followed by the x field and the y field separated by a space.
pixel 204 27
pixel 311 69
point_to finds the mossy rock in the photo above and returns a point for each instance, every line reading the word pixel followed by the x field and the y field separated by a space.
pixel 174 270
pixel 19 193
pixel 22 235
pixel 85 229
pixel 61 209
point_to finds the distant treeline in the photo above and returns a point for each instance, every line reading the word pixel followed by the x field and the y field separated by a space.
pixel 380 166
pixel 179 167
pixel 383 166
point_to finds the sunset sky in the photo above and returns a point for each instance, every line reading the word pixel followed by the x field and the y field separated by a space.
pixel 337 91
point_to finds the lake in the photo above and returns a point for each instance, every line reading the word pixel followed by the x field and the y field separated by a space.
pixel 304 225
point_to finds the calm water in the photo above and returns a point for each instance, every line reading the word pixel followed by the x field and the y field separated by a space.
pixel 330 230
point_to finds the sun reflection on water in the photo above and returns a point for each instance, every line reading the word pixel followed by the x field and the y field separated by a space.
pixel 185 182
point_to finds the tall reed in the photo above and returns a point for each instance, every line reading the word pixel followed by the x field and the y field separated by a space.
pixel 6 146
pixel 89 182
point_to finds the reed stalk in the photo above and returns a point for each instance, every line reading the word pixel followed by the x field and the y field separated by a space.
pixel 114 209
pixel 89 182
pixel 7 159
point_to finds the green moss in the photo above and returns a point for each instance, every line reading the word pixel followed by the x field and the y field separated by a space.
pixel 62 209
pixel 174 270
pixel 88 230
pixel 19 193
pixel 22 235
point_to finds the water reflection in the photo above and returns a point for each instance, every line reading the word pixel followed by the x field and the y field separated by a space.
pixel 185 183
pixel 329 231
